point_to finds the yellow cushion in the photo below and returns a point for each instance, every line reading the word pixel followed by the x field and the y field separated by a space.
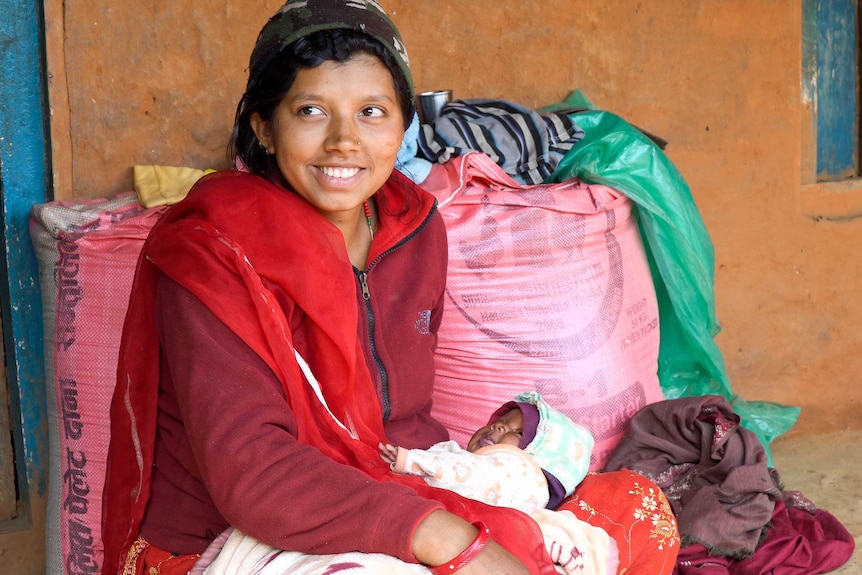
pixel 164 185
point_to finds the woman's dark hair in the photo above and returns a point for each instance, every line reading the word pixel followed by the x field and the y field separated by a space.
pixel 265 92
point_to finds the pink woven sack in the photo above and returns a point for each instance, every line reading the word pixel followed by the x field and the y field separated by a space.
pixel 87 252
pixel 548 289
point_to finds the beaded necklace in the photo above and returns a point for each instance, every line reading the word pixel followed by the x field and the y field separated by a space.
pixel 368 219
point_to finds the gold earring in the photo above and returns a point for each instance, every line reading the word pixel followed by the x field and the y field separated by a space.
pixel 358 142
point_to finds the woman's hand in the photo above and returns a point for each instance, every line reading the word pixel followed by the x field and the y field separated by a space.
pixel 443 535
pixel 389 453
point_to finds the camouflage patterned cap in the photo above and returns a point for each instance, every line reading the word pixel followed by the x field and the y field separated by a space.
pixel 299 18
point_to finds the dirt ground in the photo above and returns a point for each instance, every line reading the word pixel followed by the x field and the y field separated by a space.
pixel 826 468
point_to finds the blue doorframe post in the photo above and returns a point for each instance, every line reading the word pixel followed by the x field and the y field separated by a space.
pixel 24 181
pixel 830 66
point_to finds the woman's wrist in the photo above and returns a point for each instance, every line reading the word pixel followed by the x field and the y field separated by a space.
pixel 467 555
pixel 440 536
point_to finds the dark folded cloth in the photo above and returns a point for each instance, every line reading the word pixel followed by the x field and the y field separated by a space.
pixel 713 471
pixel 734 517
pixel 798 543
pixel 527 144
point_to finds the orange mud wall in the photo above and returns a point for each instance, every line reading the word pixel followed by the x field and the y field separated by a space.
pixel 156 83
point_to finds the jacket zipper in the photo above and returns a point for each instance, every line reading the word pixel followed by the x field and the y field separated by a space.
pixel 384 381
pixel 369 313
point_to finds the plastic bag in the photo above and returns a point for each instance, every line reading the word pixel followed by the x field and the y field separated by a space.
pixel 616 154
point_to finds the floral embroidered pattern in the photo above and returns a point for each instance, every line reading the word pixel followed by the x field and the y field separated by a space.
pixel 636 514
pixel 659 513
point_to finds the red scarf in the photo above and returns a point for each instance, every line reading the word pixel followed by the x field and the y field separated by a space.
pixel 240 228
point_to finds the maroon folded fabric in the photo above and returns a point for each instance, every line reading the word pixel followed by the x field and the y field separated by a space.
pixel 713 471
pixel 798 543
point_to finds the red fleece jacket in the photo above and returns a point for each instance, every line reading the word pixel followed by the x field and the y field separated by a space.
pixel 235 435
pixel 229 456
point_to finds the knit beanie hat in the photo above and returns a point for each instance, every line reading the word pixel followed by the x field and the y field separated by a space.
pixel 561 447
pixel 299 18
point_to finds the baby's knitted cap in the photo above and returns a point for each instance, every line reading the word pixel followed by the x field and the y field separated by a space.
pixel 561 447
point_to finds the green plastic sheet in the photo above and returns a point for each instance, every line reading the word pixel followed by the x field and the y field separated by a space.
pixel 681 257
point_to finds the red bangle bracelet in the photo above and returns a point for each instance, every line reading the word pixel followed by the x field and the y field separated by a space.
pixel 467 554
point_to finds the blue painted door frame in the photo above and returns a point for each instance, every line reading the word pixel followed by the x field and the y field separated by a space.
pixel 25 180
pixel 830 64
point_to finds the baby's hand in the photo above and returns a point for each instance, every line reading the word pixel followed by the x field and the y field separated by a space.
pixel 388 453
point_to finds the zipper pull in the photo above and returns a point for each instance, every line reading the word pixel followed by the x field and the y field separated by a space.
pixel 363 283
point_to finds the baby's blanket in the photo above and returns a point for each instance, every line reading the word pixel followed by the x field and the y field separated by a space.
pixel 576 547
pixel 500 475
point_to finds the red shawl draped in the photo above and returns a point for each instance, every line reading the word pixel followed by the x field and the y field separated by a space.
pixel 232 230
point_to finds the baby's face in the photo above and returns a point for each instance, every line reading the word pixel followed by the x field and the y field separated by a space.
pixel 507 429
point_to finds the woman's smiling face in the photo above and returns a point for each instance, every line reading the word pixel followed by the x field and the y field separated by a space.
pixel 336 133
